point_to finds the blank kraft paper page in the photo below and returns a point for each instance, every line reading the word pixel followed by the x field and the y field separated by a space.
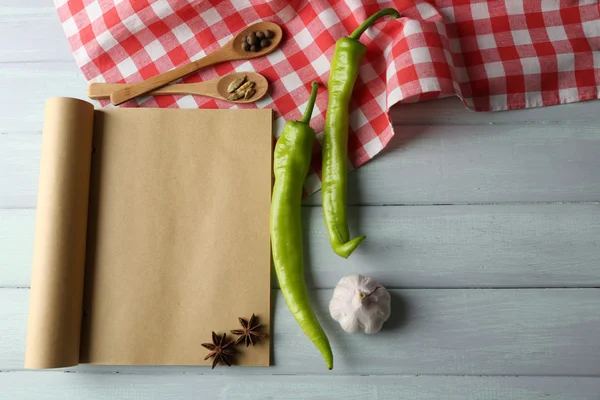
pixel 177 237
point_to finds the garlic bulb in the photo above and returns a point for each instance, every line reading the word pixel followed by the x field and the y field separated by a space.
pixel 360 304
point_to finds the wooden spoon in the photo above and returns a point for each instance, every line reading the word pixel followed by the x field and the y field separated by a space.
pixel 215 88
pixel 232 50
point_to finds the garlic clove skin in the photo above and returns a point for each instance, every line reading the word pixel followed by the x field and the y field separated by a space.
pixel 360 304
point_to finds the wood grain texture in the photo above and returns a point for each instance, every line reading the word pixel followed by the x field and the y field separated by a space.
pixel 440 165
pixel 451 111
pixel 23 111
pixel 440 331
pixel 463 246
pixel 64 386
pixel 441 152
pixel 481 164
pixel 17 229
pixel 424 247
pixel 30 31
pixel 26 170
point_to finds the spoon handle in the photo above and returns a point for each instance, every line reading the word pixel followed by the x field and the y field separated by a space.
pixel 128 92
pixel 98 91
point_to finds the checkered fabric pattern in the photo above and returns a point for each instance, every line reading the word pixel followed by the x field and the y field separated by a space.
pixel 494 55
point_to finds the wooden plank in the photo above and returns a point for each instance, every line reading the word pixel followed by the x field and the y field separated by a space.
pixel 463 246
pixel 64 386
pixel 18 188
pixel 16 247
pixel 31 31
pixel 524 245
pixel 440 165
pixel 481 164
pixel 30 86
pixel 451 111
pixel 438 332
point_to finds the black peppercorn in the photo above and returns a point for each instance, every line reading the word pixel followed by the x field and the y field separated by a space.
pixel 251 38
pixel 260 35
pixel 254 48
pixel 265 43
pixel 269 34
pixel 245 46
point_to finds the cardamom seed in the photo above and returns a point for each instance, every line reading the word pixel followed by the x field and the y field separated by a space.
pixel 235 96
pixel 249 93
pixel 246 86
pixel 233 86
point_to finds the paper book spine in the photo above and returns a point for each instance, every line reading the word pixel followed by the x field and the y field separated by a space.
pixel 54 326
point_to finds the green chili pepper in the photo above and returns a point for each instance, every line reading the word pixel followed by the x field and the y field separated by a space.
pixel 344 70
pixel 290 164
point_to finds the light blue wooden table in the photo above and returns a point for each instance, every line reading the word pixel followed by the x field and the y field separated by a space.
pixel 486 228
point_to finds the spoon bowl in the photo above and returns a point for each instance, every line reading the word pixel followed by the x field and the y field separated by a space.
pixel 236 42
pixel 215 88
pixel 261 85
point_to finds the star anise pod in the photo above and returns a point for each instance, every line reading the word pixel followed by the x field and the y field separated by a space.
pixel 221 350
pixel 249 334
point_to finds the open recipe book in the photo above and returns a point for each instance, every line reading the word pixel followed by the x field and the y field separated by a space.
pixel 152 231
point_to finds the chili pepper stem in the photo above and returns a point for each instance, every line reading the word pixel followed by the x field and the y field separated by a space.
pixel 311 104
pixel 369 21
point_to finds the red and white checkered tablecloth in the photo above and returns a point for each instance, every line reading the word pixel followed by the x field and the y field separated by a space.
pixel 494 55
